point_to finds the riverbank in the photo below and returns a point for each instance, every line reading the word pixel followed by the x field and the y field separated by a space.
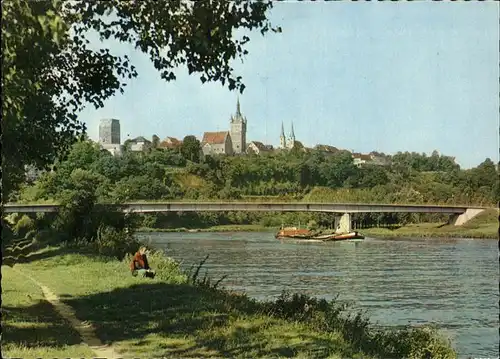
pixel 180 317
pixel 422 230
pixel 221 228
pixel 430 230
pixel 484 226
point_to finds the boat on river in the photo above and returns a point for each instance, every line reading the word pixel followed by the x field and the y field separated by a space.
pixel 340 236
pixel 307 235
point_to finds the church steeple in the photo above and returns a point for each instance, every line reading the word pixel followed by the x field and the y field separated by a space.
pixel 282 136
pixel 291 140
pixel 238 130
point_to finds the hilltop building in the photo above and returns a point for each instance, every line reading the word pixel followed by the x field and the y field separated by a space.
pixel 170 143
pixel 360 159
pixel 109 131
pixel 327 149
pixel 109 136
pixel 138 144
pixel 257 148
pixel 229 142
pixel 217 143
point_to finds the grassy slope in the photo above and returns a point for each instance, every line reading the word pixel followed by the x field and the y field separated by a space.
pixel 31 327
pixel 484 225
pixel 154 318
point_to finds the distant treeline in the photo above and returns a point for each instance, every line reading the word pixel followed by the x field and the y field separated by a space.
pixel 91 174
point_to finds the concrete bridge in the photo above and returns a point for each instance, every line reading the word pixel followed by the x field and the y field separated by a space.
pixel 459 214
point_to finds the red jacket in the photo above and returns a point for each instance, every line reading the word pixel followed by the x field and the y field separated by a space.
pixel 139 262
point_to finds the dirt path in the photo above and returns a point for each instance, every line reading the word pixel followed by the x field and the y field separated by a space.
pixel 85 330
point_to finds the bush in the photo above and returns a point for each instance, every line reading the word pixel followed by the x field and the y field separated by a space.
pixel 115 243
pixel 271 221
pixel 149 220
pixel 11 218
pixel 167 268
pixel 23 226
pixel 413 343
pixel 312 225
pixel 296 306
pixel 331 316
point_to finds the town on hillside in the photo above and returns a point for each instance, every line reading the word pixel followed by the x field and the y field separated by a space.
pixel 230 142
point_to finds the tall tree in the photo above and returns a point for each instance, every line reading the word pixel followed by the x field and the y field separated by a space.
pixel 51 73
pixel 191 148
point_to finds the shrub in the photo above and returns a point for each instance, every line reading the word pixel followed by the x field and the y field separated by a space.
pixel 46 236
pixel 331 316
pixel 312 225
pixel 23 226
pixel 44 220
pixel 271 221
pixel 115 243
pixel 296 306
pixel 167 268
pixel 149 221
pixel 412 343
pixel 11 218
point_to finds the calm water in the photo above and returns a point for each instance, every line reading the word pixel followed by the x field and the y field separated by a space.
pixel 453 283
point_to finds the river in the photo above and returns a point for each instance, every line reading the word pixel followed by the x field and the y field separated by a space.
pixel 452 283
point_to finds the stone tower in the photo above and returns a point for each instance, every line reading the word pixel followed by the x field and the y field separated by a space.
pixel 109 132
pixel 238 131
pixel 282 136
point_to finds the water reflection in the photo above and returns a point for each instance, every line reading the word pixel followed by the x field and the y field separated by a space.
pixel 453 283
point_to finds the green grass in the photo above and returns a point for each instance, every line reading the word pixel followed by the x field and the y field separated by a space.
pixel 484 225
pixel 487 218
pixel 172 320
pixel 31 327
pixel 172 316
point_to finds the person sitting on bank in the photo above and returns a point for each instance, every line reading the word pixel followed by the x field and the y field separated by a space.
pixel 140 265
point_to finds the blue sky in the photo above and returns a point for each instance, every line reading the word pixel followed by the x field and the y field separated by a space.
pixel 389 77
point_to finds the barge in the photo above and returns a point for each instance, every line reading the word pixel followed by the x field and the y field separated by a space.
pixel 305 234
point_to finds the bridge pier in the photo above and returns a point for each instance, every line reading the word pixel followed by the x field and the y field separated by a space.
pixel 460 219
pixel 343 224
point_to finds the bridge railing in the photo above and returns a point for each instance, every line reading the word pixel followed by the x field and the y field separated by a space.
pixel 277 201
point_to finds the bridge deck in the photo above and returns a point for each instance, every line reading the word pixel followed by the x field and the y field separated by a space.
pixel 141 207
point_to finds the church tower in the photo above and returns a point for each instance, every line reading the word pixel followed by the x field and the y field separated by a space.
pixel 291 139
pixel 238 131
pixel 282 136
